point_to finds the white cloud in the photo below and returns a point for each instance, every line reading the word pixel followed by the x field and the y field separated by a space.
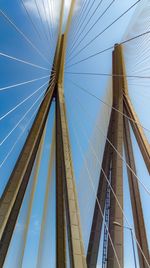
pixel 67 5
pixel 44 8
pixel 32 8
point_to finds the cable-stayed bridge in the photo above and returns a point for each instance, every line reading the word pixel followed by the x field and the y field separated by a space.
pixel 75 132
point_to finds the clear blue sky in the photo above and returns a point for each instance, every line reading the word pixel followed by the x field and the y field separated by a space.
pixel 83 111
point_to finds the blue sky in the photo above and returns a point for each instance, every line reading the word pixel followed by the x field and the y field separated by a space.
pixel 13 44
pixel 84 112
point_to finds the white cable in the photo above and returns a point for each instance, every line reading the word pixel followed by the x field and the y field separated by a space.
pixel 41 20
pixel 24 36
pixel 23 83
pixel 23 61
pixel 6 137
pixel 135 175
pixel 108 105
pixel 47 20
pixel 95 193
pixel 37 31
pixel 122 210
pixel 20 103
pixel 19 137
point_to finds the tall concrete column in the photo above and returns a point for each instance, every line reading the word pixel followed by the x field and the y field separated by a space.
pixel 116 215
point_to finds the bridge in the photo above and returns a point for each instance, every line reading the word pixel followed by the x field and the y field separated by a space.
pixel 75 133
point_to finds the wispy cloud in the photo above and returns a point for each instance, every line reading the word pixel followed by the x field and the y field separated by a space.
pixel 45 8
pixel 48 11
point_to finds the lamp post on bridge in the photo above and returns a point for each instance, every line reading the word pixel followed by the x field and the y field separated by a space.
pixel 130 229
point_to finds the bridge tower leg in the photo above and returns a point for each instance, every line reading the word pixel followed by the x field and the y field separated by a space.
pixel 116 232
pixel 128 110
pixel 67 211
pixel 94 241
pixel 68 189
pixel 135 199
pixel 121 133
pixel 12 197
pixel 138 218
